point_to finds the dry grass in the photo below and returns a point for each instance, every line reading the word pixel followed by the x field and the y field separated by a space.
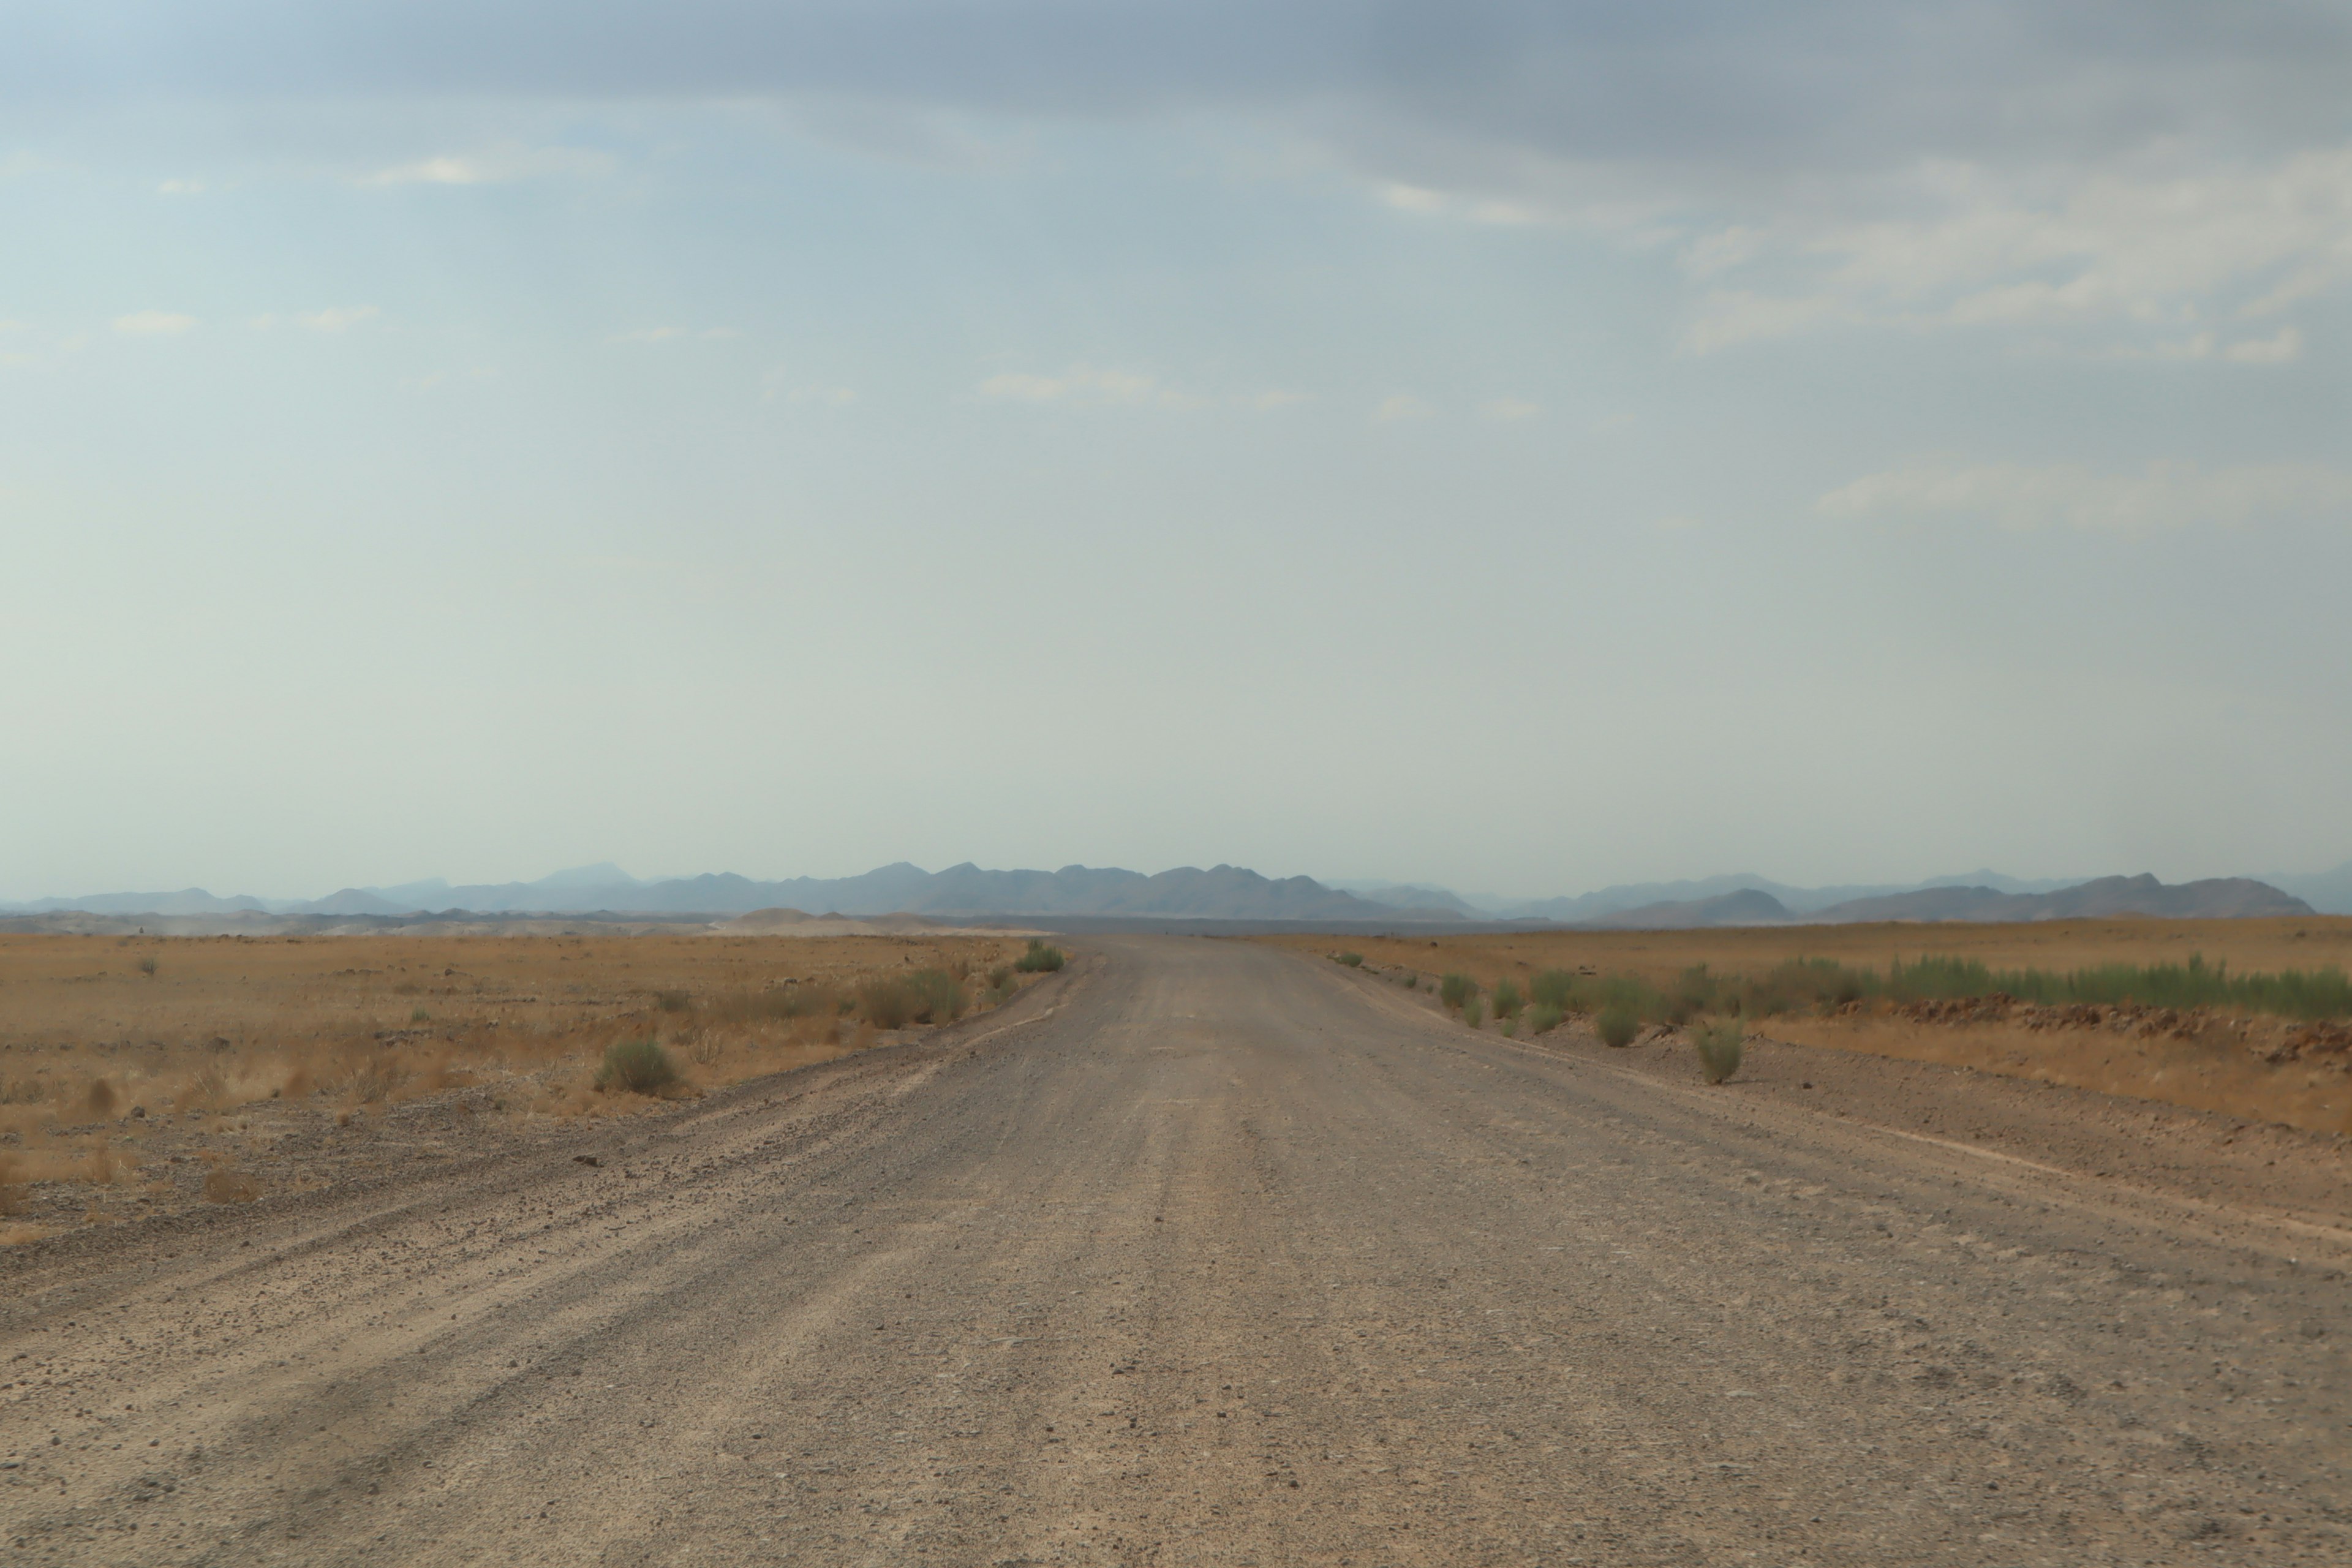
pixel 101 1050
pixel 1659 956
pixel 2209 1062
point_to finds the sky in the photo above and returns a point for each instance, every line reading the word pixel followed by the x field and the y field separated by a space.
pixel 1510 445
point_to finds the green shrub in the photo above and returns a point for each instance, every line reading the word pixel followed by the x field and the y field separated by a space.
pixel 419 1015
pixel 1618 1024
pixel 1721 1043
pixel 673 1001
pixel 1553 988
pixel 1508 1000
pixel 1039 959
pixel 1542 1018
pixel 1471 1012
pixel 1001 977
pixel 637 1067
pixel 1456 990
pixel 1411 981
pixel 938 996
pixel 887 1001
pixel 1353 960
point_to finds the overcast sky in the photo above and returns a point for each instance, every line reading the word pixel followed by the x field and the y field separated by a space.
pixel 1513 445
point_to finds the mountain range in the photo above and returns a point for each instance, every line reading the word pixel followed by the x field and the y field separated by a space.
pixel 1232 892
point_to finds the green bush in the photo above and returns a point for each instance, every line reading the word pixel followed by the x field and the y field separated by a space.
pixel 1411 981
pixel 1353 960
pixel 1001 977
pixel 1618 1024
pixel 1553 988
pixel 1542 1018
pixel 889 1001
pixel 938 996
pixel 673 1001
pixel 1039 959
pixel 1721 1043
pixel 637 1067
pixel 1508 1000
pixel 1455 990
pixel 1471 1012
pixel 419 1015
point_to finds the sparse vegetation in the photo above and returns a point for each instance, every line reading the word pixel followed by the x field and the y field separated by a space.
pixel 1471 1010
pixel 1456 991
pixel 1617 1024
pixel 1543 1018
pixel 147 965
pixel 1720 1043
pixel 1353 960
pixel 225 1183
pixel 637 1067
pixel 281 1051
pixel 1508 1000
pixel 1039 959
pixel 1411 981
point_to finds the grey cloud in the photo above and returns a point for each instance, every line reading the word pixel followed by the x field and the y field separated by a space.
pixel 1837 83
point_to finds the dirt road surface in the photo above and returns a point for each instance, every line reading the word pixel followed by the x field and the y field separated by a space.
pixel 1205 1253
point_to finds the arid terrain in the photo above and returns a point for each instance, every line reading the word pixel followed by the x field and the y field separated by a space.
pixel 141 1075
pixel 1200 1251
pixel 2234 1061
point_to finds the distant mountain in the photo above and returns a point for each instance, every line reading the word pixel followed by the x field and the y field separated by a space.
pixel 186 902
pixel 1420 896
pixel 2224 898
pixel 1231 892
pixel 1222 892
pixel 1746 906
pixel 2329 892
pixel 350 901
pixel 1587 907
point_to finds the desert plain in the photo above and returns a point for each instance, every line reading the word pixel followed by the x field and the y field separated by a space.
pixel 1194 1250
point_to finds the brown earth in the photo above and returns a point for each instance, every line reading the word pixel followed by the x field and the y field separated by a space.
pixel 2291 1071
pixel 239 1066
pixel 1204 1253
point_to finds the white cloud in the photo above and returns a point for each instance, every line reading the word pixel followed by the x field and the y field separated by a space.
pixel 1402 406
pixel 2287 344
pixel 2113 249
pixel 1414 198
pixel 1268 400
pixel 2165 495
pixel 154 324
pixel 1509 410
pixel 1083 385
pixel 181 188
pixel 1728 316
pixel 336 320
pixel 495 165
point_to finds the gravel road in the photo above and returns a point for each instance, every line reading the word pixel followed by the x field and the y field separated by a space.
pixel 1204 1253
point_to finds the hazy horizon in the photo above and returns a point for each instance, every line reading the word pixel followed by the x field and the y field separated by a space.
pixel 575 876
pixel 1521 446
